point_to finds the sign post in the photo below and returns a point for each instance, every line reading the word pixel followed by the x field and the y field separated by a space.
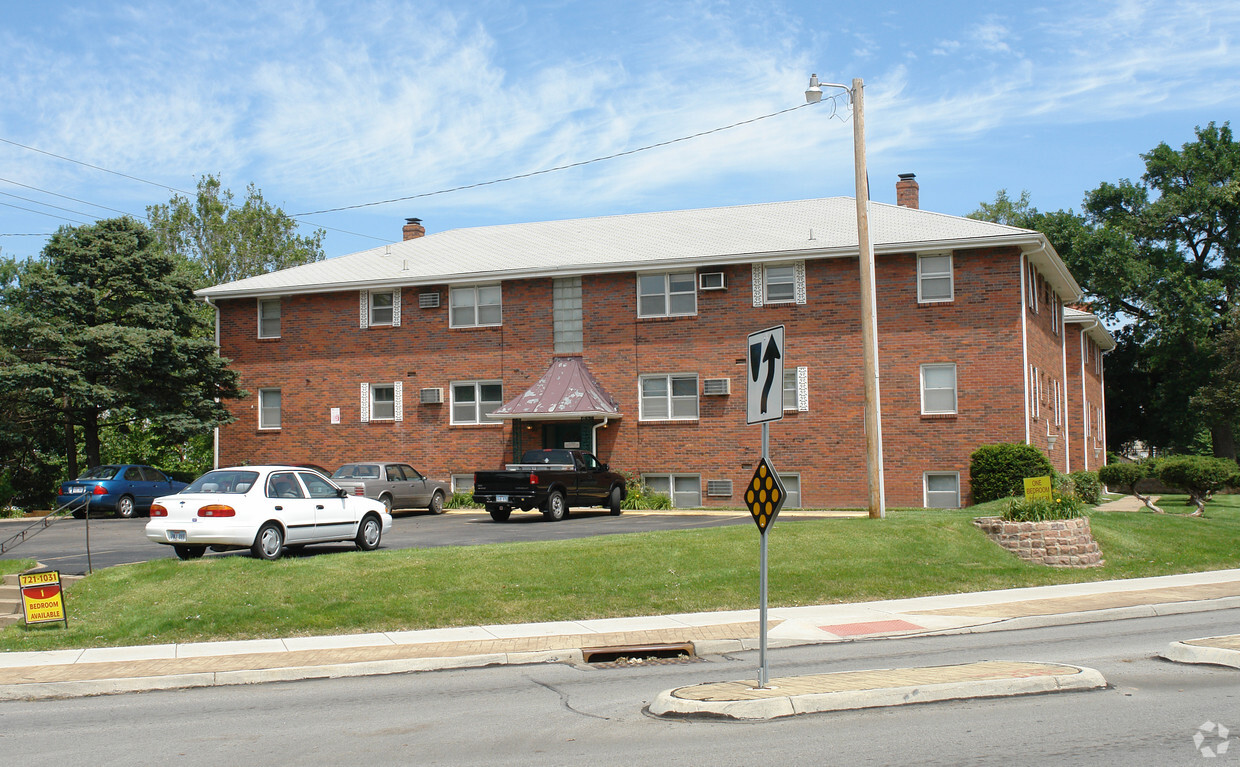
pixel 765 493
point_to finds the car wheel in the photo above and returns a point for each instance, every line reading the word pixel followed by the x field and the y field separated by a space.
pixel 613 501
pixel 79 514
pixel 436 506
pixel 269 543
pixel 386 500
pixel 125 508
pixel 189 552
pixel 500 515
pixel 369 533
pixel 557 507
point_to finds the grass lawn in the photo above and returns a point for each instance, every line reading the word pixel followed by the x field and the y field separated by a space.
pixel 8 566
pixel 812 561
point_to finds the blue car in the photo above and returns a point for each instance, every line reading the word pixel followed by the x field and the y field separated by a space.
pixel 127 489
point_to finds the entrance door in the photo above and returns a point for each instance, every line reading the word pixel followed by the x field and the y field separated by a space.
pixel 565 435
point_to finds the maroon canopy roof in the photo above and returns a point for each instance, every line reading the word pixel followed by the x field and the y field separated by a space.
pixel 567 390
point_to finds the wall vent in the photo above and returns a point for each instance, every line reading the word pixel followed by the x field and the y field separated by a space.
pixel 712 281
pixel 716 386
pixel 428 300
pixel 719 487
pixel 430 396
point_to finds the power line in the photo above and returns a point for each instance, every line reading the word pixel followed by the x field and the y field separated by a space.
pixel 65 197
pixel 45 204
pixel 558 167
pixel 41 213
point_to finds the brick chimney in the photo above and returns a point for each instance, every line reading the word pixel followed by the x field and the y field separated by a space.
pixel 414 229
pixel 906 191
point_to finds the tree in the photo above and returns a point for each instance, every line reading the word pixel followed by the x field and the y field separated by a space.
pixel 1159 259
pixel 103 328
pixel 222 242
pixel 1200 477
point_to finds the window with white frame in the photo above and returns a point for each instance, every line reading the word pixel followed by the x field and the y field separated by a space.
pixel 269 318
pixel 382 402
pixel 792 490
pixel 1057 393
pixel 781 284
pixel 474 401
pixel 268 408
pixel 685 490
pixel 475 306
pixel 934 278
pixel 938 388
pixel 1033 288
pixel 796 388
pixel 669 397
pixel 942 489
pixel 382 305
pixel 462 483
pixel 671 294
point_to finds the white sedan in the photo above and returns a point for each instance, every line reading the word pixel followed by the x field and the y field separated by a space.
pixel 264 509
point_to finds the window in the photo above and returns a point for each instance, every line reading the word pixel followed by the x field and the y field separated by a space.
pixel 473 401
pixel 796 388
pixel 666 295
pixel 268 408
pixel 792 490
pixel 382 402
pixel 269 318
pixel 153 475
pixel 669 397
pixel 781 282
pixel 381 308
pixel 317 486
pixel 938 388
pixel 685 490
pixel 790 389
pixel 133 474
pixel 1033 288
pixel 463 483
pixel 934 278
pixel 283 484
pixel 477 306
pixel 942 489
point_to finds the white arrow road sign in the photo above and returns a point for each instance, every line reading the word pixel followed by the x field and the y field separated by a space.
pixel 765 382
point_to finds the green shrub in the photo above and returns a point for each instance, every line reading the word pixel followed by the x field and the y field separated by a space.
pixel 1199 476
pixel 1042 510
pixel 997 471
pixel 1122 476
pixel 638 496
pixel 1087 487
pixel 461 500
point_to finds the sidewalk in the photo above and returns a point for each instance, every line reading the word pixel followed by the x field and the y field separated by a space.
pixel 99 671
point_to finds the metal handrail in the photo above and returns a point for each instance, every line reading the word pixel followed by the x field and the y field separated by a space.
pixel 20 537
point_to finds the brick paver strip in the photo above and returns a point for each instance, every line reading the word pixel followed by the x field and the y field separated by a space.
pixel 1088 602
pixel 871 680
pixel 299 658
pixel 1223 643
pixel 871 627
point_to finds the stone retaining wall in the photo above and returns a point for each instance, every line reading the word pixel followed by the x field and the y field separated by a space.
pixel 1061 543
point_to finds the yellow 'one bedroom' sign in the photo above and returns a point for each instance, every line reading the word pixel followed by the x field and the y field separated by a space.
pixel 42 599
pixel 1037 488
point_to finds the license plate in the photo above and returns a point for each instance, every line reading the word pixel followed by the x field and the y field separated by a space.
pixel 176 536
pixel 77 490
pixel 501 499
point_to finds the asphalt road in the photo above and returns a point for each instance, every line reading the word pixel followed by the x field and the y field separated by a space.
pixel 555 714
pixel 63 545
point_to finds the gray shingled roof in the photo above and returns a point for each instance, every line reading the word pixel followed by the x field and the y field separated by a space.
pixel 1093 327
pixel 707 236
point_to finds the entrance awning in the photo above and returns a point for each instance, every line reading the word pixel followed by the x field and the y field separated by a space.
pixel 566 391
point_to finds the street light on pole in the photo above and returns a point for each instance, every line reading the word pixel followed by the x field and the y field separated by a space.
pixel 869 321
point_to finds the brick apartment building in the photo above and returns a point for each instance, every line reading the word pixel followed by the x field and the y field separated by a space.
pixel 625 335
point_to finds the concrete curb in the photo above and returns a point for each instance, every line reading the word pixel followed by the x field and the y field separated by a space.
pixel 1091 616
pixel 669 704
pixel 1182 652
pixel 92 687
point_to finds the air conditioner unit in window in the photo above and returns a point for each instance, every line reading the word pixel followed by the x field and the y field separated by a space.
pixel 717 386
pixel 719 487
pixel 712 281
pixel 431 396
pixel 428 300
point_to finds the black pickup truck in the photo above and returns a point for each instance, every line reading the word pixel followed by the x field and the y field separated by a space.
pixel 551 481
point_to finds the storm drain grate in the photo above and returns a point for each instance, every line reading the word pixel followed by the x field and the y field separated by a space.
pixel 623 656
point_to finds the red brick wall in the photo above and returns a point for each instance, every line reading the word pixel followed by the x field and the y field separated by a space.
pixel 323 356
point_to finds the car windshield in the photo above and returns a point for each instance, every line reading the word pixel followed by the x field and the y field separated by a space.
pixel 224 481
pixel 99 472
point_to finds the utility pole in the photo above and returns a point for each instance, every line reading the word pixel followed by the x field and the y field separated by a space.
pixel 869 321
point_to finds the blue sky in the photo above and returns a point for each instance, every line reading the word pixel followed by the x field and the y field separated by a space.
pixel 324 105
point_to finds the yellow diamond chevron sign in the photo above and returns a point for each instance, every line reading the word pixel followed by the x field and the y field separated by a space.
pixel 764 495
